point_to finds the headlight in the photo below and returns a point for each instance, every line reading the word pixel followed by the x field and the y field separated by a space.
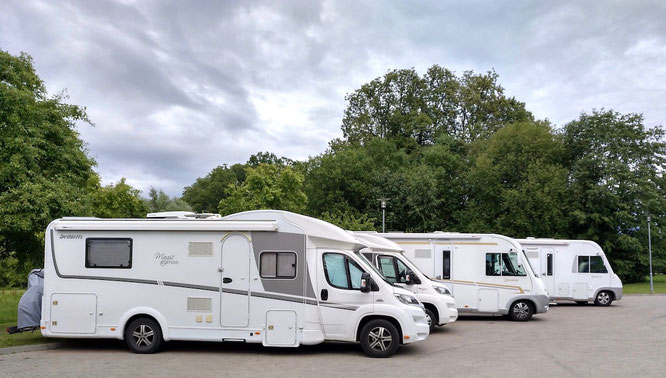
pixel 442 290
pixel 408 300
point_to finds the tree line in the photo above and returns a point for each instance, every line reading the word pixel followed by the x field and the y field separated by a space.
pixel 452 153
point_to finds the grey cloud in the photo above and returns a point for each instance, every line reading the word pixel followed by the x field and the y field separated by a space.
pixel 176 88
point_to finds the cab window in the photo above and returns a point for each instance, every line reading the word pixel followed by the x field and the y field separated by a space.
pixel 503 264
pixel 591 264
pixel 341 272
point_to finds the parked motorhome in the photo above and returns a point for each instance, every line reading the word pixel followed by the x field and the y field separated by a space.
pixel 270 277
pixel 486 273
pixel 574 270
pixel 387 257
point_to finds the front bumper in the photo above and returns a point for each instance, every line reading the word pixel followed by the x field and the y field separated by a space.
pixel 541 302
pixel 414 325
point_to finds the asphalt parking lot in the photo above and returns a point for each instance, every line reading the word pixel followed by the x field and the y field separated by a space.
pixel 628 338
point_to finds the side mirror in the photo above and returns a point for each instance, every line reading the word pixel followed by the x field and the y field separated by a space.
pixel 366 282
pixel 412 279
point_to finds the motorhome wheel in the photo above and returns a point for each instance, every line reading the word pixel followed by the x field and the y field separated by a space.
pixel 604 298
pixel 521 311
pixel 432 319
pixel 143 336
pixel 379 338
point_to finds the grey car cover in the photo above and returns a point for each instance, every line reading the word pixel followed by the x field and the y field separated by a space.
pixel 30 305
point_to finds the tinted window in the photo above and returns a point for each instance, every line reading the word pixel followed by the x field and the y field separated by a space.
pixel 493 264
pixel 278 265
pixel 109 253
pixel 583 264
pixel 549 264
pixel 597 265
pixel 402 270
pixel 503 264
pixel 446 262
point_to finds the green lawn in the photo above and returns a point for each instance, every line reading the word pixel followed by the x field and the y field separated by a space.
pixel 644 287
pixel 8 313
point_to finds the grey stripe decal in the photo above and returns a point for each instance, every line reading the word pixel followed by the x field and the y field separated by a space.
pixel 191 286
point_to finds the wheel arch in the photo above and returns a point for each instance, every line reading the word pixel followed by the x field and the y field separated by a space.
pixel 364 320
pixel 434 309
pixel 144 312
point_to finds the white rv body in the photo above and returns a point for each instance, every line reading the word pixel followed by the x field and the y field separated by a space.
pixel 388 258
pixel 474 267
pixel 255 277
pixel 574 270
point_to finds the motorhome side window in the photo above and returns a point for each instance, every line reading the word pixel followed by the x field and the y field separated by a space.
pixel 591 264
pixel 277 265
pixel 503 264
pixel 110 253
pixel 341 272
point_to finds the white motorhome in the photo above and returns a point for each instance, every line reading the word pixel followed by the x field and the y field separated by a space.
pixel 486 273
pixel 574 270
pixel 387 257
pixel 270 277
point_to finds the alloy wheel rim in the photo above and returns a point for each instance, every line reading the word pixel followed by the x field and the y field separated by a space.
pixel 521 310
pixel 604 298
pixel 380 338
pixel 143 336
pixel 429 319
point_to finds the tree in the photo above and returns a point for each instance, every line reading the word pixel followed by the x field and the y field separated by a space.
pixel 415 110
pixel 350 221
pixel 159 201
pixel 118 201
pixel 616 174
pixel 44 170
pixel 517 184
pixel 267 186
pixel 205 193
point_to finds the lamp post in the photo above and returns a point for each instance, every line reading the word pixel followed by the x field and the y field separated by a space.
pixel 383 201
pixel 650 254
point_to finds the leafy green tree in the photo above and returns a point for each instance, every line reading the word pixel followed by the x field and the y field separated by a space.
pixel 205 193
pixel 517 184
pixel 44 170
pixel 118 201
pixel 415 110
pixel 616 173
pixel 350 221
pixel 266 186
pixel 159 201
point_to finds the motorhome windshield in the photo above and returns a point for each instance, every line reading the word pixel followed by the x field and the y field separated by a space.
pixel 367 263
pixel 529 263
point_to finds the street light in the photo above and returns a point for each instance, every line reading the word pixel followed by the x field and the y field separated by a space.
pixel 650 254
pixel 383 201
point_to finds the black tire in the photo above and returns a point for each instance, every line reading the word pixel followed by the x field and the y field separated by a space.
pixel 143 335
pixel 379 338
pixel 521 311
pixel 432 319
pixel 603 298
pixel 581 303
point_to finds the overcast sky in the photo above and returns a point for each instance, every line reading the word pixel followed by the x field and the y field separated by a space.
pixel 178 88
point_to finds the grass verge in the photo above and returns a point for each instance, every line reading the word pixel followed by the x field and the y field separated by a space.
pixel 644 287
pixel 9 298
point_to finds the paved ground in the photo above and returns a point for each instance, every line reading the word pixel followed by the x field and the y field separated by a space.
pixel 626 339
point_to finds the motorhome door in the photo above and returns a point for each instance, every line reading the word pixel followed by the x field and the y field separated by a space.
pixel 547 266
pixel 235 282
pixel 339 282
